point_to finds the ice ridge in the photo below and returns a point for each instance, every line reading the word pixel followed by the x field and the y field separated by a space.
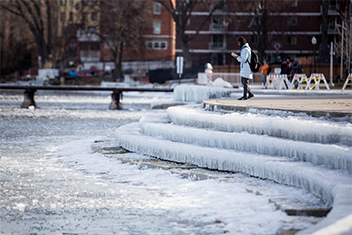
pixel 290 128
pixel 311 154
pixel 195 93
pixel 332 156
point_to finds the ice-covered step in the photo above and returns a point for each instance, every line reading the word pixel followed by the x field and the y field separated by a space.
pixel 196 93
pixel 332 187
pixel 294 128
pixel 332 156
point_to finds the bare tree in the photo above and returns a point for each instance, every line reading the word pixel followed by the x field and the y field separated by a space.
pixel 123 23
pixel 16 44
pixel 34 15
pixel 181 12
pixel 263 17
pixel 64 43
pixel 324 50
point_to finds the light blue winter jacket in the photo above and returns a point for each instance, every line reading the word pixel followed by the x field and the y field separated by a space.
pixel 245 59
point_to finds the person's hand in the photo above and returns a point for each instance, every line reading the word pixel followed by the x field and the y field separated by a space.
pixel 234 55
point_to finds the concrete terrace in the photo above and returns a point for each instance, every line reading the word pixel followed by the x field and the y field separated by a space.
pixel 315 103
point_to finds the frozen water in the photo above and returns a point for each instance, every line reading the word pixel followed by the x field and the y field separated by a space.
pixel 270 147
pixel 53 182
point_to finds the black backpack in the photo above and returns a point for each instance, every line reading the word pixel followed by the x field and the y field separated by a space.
pixel 254 64
pixel 269 71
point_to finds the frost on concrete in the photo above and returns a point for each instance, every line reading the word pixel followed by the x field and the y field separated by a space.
pixel 311 154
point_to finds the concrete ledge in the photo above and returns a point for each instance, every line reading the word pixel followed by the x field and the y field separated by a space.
pixel 316 106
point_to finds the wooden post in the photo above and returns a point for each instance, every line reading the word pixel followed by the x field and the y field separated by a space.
pixel 29 98
pixel 115 99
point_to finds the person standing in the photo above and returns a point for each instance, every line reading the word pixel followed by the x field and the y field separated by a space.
pixel 264 70
pixel 209 72
pixel 246 73
pixel 288 68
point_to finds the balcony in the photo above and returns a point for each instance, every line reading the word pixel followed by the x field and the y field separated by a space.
pixel 333 10
pixel 88 35
pixel 332 29
pixel 217 45
pixel 90 56
pixel 218 27
pixel 223 9
pixel 218 23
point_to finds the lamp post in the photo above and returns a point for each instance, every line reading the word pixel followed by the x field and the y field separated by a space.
pixel 314 41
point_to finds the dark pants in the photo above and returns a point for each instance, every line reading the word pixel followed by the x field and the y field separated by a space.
pixel 246 88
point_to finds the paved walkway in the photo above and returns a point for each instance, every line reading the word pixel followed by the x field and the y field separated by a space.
pixel 337 104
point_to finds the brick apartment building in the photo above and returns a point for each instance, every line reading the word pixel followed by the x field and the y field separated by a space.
pixel 76 24
pixel 289 34
pixel 80 24
pixel 290 29
pixel 157 46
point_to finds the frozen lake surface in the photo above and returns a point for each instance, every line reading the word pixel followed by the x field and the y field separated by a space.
pixel 61 173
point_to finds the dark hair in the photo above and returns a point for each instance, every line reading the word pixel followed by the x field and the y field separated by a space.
pixel 242 40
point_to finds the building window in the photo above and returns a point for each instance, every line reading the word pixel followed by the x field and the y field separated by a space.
pixel 71 16
pixel 332 23
pixel 163 45
pixel 254 39
pixel 71 3
pixel 72 44
pixel 149 45
pixel 157 8
pixel 156 26
pixel 63 2
pixel 94 16
pixel 217 59
pixel 333 5
pixel 95 2
pixel 85 16
pixel 254 21
pixel 218 41
pixel 84 2
pixel 107 44
pixel 292 39
pixel 292 20
pixel 156 45
pixel 62 16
